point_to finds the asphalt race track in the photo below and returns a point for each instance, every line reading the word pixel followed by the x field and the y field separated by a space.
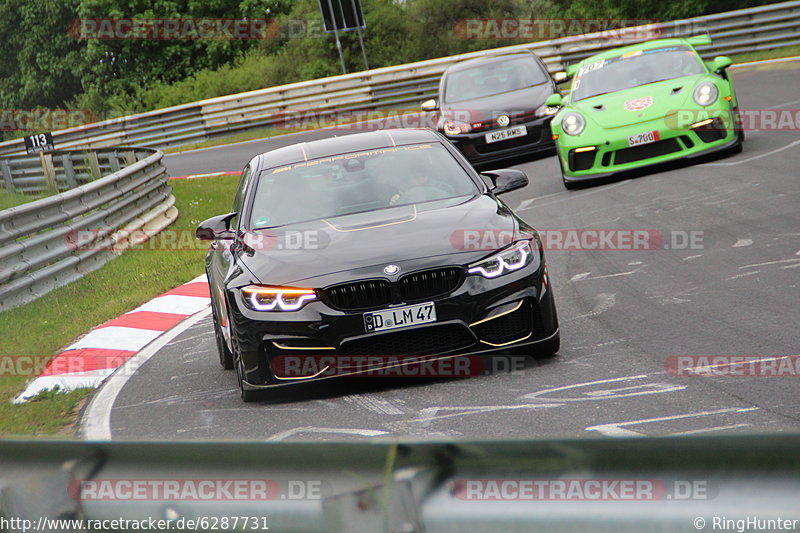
pixel 622 313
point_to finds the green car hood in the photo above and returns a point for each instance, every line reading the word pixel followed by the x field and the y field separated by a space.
pixel 608 110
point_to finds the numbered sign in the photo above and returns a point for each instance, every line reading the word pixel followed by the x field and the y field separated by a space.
pixel 41 142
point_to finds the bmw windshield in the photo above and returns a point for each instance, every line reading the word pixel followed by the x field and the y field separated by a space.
pixel 356 182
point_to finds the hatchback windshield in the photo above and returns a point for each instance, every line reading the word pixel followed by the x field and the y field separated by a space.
pixel 493 78
pixel 633 69
pixel 356 182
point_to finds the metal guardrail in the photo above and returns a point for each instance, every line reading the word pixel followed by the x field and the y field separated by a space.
pixel 677 484
pixel 50 242
pixel 745 30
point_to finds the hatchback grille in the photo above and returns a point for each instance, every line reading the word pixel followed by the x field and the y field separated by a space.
pixel 420 341
pixel 429 283
pixel 363 294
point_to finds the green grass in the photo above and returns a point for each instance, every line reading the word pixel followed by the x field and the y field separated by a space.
pixel 13 199
pixel 43 327
pixel 785 51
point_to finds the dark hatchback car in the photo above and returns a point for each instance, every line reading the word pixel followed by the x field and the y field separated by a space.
pixel 493 108
pixel 376 245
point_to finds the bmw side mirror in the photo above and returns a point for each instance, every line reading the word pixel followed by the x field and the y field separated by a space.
pixel 554 100
pixel 506 179
pixel 430 105
pixel 216 228
pixel 721 63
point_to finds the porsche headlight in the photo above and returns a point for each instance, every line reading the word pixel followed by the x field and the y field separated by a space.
pixel 517 256
pixel 573 123
pixel 266 298
pixel 705 94
pixel 455 127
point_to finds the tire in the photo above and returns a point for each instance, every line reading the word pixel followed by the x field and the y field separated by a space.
pixel 246 395
pixel 225 355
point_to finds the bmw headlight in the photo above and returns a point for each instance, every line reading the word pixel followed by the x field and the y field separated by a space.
pixel 266 298
pixel 705 94
pixel 573 123
pixel 455 127
pixel 517 256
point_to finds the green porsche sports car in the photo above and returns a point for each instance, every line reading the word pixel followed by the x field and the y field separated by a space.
pixel 642 105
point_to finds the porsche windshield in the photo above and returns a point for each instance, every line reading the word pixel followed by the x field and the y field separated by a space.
pixel 633 69
pixel 357 182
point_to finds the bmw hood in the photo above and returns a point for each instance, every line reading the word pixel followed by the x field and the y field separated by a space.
pixel 640 104
pixel 412 237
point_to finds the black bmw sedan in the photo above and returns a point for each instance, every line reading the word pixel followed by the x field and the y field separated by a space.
pixel 354 253
pixel 493 107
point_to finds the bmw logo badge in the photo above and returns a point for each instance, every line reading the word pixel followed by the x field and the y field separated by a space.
pixel 391 270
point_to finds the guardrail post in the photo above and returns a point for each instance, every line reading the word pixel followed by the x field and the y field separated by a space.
pixel 69 171
pixel 49 173
pixel 94 164
pixel 113 161
pixel 7 178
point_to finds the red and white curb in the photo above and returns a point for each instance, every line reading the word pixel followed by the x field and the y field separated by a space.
pixel 96 356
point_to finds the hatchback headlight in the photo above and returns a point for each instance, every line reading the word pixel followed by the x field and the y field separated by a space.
pixel 517 256
pixel 455 127
pixel 265 298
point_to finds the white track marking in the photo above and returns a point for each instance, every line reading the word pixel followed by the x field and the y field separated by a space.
pixel 96 421
pixel 742 242
pixel 617 429
pixel 623 392
pixel 429 414
pixel 769 263
pixel 737 276
pixel 759 156
pixel 582 275
pixel 337 431
pixel 710 430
